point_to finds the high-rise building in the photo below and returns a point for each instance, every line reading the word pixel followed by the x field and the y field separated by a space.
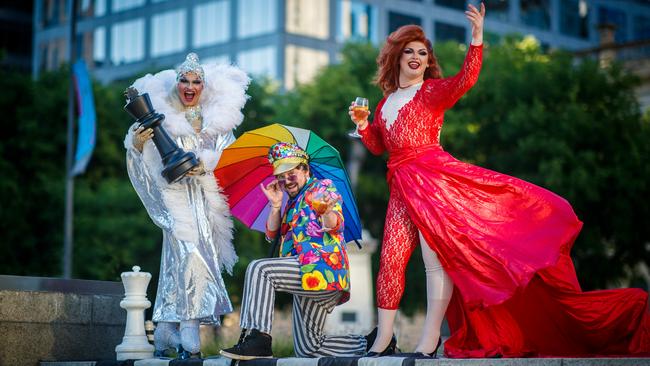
pixel 16 35
pixel 289 40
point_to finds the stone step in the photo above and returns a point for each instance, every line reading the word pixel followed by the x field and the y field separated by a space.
pixel 383 361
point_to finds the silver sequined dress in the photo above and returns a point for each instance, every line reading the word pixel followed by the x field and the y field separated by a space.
pixel 192 213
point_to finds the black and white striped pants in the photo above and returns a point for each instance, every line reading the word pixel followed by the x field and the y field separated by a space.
pixel 310 308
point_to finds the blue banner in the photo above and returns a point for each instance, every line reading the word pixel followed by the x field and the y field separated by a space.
pixel 87 117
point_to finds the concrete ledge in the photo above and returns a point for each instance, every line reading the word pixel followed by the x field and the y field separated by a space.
pixel 25 283
pixel 53 319
pixel 383 361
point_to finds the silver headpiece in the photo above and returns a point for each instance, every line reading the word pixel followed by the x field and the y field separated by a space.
pixel 191 64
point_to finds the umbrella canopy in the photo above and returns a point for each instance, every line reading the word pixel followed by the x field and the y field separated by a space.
pixel 244 165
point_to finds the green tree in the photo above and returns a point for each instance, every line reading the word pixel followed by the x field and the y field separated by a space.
pixel 31 187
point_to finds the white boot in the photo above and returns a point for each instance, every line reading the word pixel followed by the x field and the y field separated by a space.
pixel 166 336
pixel 190 337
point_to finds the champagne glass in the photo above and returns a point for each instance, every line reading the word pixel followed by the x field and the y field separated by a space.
pixel 318 202
pixel 359 111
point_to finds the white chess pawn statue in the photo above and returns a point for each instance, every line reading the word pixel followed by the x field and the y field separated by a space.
pixel 134 345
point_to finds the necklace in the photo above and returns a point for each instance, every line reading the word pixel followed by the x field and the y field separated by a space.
pixel 194 116
pixel 410 85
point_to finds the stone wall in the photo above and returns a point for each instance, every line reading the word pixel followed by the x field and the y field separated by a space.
pixel 59 320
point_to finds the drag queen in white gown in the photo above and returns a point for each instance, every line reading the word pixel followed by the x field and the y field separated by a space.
pixel 202 105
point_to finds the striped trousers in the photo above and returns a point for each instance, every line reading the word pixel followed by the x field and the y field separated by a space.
pixel 310 308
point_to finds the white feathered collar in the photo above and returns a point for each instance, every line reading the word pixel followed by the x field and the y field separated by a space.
pixel 223 97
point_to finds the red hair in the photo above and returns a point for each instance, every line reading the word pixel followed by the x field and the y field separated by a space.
pixel 388 60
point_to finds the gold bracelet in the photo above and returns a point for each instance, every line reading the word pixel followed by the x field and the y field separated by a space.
pixel 277 206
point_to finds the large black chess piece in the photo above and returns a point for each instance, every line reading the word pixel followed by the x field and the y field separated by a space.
pixel 176 162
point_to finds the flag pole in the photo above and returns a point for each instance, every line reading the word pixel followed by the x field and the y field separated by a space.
pixel 69 177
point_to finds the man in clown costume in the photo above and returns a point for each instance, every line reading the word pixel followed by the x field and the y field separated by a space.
pixel 313 264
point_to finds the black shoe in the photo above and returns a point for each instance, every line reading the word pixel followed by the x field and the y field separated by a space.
pixel 184 355
pixel 370 340
pixel 163 354
pixel 414 355
pixel 255 345
pixel 433 354
pixel 168 353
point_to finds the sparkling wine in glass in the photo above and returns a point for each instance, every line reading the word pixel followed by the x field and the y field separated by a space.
pixel 359 112
pixel 318 203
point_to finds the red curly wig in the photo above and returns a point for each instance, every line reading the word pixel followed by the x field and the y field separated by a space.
pixel 388 60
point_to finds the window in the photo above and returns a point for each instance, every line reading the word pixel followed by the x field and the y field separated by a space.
pixel 120 5
pixel 641 28
pixel 127 41
pixel 536 13
pixel 348 317
pixel 99 46
pixel 573 18
pixel 256 17
pixel 357 21
pixel 396 20
pixel 449 32
pixel 54 53
pixel 259 62
pixel 92 8
pixel 617 18
pixel 168 32
pixel 308 17
pixel 454 4
pixel 221 59
pixel 54 12
pixel 211 23
pixel 302 64
pixel 498 9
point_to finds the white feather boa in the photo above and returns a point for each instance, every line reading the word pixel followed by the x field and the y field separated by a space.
pixel 222 99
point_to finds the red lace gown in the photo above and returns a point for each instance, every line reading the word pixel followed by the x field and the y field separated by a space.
pixel 504 242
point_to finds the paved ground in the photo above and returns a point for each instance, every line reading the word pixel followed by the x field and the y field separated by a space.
pixel 384 361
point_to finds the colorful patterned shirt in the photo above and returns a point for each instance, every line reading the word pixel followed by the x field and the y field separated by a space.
pixel 322 255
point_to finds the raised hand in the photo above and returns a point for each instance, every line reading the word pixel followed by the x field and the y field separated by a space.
pixel 273 193
pixel 197 170
pixel 475 18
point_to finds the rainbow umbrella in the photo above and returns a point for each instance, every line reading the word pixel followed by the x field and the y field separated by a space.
pixel 244 165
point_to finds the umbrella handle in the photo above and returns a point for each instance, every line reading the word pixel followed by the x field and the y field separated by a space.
pixel 358 244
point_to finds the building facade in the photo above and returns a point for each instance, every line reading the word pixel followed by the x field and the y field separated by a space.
pixel 16 35
pixel 289 40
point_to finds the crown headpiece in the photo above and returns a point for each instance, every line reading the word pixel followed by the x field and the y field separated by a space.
pixel 191 64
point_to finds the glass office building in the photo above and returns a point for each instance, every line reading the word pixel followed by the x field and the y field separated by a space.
pixel 289 40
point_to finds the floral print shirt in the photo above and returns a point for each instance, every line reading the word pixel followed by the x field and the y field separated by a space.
pixel 321 254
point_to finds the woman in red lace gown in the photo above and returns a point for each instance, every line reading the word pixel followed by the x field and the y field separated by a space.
pixel 496 248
